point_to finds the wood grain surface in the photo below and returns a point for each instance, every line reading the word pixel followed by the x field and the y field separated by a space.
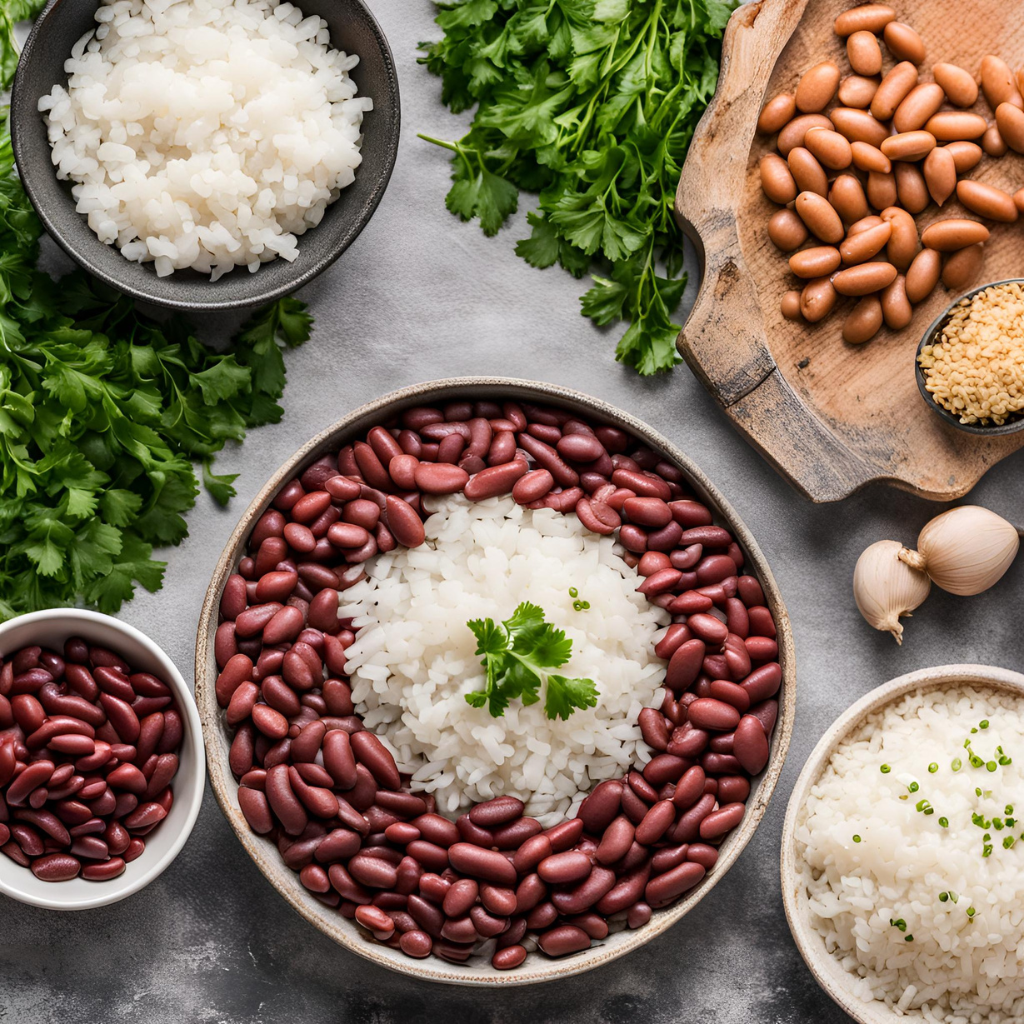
pixel 828 415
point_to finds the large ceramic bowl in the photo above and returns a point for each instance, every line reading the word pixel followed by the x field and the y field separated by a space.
pixel 265 854
pixel 826 969
pixel 353 29
pixel 50 629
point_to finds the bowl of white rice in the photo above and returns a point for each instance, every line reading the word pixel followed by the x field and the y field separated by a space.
pixel 481 558
pixel 903 851
pixel 205 154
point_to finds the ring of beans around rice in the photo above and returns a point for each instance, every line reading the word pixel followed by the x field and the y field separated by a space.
pixel 493 882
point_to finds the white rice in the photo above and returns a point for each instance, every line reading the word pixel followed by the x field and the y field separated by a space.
pixel 205 133
pixel 959 968
pixel 414 657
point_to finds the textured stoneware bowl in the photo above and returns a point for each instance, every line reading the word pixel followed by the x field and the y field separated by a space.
pixel 265 854
pixel 353 29
pixel 825 967
pixel 50 629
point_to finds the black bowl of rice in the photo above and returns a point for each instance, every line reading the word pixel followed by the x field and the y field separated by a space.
pixel 205 155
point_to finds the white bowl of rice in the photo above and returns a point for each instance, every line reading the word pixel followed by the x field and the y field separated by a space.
pixel 903 851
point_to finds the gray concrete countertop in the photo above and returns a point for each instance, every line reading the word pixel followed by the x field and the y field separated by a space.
pixel 422 296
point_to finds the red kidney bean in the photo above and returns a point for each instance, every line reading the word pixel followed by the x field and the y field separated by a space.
pixel 687 826
pixel 600 807
pixel 404 522
pixel 709 713
pixel 708 628
pixel 481 863
pixel 439 478
pixel 660 582
pixel 673 883
pixel 717 823
pixel 531 853
pixel 56 867
pixel 642 787
pixel 654 728
pixel 761 622
pixel 646 511
pixel 751 745
pixel 562 868
pixel 436 829
pixel 515 833
pixel 563 940
pixel 497 811
pixel 763 682
pixel 665 768
pixel 718 764
pixel 580 447
pixel 633 806
pixel 585 894
pixel 730 693
pixel 532 486
pixel 652 562
pixel 655 822
pixel 733 789
pixel 370 752
pixel 690 787
pixel 685 663
pixel 509 957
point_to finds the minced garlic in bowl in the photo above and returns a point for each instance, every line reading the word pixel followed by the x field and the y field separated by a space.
pixel 976 370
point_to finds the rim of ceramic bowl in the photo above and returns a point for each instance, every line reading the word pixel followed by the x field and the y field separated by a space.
pixel 823 965
pixel 78 622
pixel 929 336
pixel 265 854
pixel 390 126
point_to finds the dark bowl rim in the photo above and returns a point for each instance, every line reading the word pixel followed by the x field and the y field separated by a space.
pixel 1014 425
pixel 391 126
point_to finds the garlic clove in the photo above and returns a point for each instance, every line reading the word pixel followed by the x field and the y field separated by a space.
pixel 886 588
pixel 965 550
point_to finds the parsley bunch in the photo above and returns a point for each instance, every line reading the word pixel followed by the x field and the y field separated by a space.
pixel 102 411
pixel 591 103
pixel 517 656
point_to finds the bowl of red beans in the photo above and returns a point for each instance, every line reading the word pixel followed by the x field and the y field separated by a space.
pixel 102 767
pixel 495 685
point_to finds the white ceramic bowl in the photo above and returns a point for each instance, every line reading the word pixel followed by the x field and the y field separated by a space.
pixel 50 629
pixel 826 969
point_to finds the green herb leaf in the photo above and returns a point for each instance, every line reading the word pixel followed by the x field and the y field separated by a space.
pixel 103 413
pixel 591 104
pixel 516 656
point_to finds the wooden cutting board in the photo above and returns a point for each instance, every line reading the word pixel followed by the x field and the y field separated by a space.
pixel 830 416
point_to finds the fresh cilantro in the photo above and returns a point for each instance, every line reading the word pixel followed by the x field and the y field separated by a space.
pixel 591 104
pixel 103 413
pixel 516 656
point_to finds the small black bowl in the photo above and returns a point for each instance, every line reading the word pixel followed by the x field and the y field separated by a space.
pixel 933 335
pixel 353 29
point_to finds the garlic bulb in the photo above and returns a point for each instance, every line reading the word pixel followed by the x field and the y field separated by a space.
pixel 886 588
pixel 964 550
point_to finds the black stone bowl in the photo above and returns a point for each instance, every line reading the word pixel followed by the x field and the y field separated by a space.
pixel 933 335
pixel 353 29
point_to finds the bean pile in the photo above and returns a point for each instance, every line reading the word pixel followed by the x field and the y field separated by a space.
pixel 890 146
pixel 88 749
pixel 329 792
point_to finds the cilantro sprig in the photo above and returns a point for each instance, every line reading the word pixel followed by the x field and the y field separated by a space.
pixel 516 655
pixel 592 104
pixel 103 412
